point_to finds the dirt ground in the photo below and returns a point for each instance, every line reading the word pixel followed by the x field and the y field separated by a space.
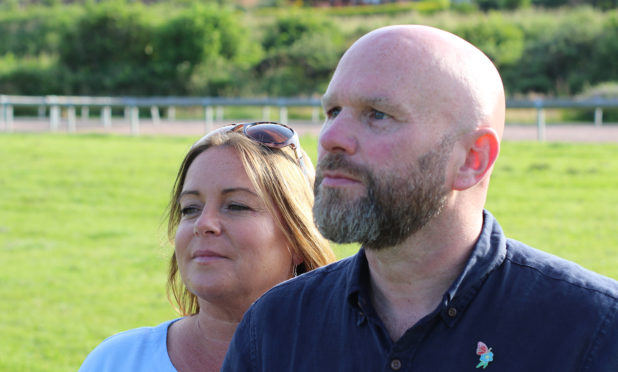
pixel 513 132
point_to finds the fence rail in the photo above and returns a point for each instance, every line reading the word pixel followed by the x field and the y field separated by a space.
pixel 213 107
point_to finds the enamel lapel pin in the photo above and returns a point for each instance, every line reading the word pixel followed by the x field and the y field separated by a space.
pixel 485 353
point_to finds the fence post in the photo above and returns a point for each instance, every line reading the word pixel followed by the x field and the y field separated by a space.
pixel 540 120
pixel 2 113
pixel 283 114
pixel 71 118
pixel 6 115
pixel 208 115
pixel 219 113
pixel 134 118
pixel 85 112
pixel 9 118
pixel 54 117
pixel 171 113
pixel 127 113
pixel 315 115
pixel 540 124
pixel 106 116
pixel 598 117
pixel 266 113
pixel 154 113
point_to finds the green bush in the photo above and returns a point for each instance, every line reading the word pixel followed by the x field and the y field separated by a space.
pixel 195 47
pixel 36 31
pixel 197 37
pixel 604 58
pixel 602 4
pixel 558 61
pixel 500 39
pixel 107 51
pixel 29 76
pixel 392 8
pixel 502 4
pixel 301 53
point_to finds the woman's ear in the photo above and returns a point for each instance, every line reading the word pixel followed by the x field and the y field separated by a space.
pixel 482 151
pixel 297 259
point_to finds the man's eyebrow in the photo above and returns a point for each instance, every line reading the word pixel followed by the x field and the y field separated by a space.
pixel 378 102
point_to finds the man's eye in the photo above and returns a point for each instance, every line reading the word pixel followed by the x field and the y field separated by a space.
pixel 332 113
pixel 378 115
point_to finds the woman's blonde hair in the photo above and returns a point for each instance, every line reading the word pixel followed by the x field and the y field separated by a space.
pixel 286 191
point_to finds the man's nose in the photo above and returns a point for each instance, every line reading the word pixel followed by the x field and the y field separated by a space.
pixel 338 135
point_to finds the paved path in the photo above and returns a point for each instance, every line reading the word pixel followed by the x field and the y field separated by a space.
pixel 513 132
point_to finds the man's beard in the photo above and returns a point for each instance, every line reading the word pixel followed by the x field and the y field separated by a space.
pixel 394 207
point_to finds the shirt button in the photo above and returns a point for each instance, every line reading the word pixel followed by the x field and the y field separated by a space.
pixel 395 364
pixel 452 312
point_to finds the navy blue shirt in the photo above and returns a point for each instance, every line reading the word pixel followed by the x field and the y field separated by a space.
pixel 513 308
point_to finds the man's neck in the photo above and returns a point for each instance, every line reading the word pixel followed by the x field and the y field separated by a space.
pixel 408 281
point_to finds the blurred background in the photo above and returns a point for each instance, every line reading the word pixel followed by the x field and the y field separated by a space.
pixel 83 251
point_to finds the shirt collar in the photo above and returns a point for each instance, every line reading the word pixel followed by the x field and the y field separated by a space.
pixel 357 284
pixel 488 253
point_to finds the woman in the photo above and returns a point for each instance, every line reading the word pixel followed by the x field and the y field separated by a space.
pixel 240 216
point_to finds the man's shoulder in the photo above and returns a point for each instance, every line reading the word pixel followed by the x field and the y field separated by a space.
pixel 334 273
pixel 558 271
pixel 315 285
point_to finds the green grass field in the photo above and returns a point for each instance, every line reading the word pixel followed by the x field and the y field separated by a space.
pixel 83 252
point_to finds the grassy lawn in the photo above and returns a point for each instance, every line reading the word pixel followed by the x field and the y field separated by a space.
pixel 84 254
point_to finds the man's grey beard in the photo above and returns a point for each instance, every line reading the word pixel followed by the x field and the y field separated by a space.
pixel 395 206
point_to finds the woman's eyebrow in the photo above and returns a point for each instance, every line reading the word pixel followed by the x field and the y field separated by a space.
pixel 227 191
pixel 233 190
pixel 188 192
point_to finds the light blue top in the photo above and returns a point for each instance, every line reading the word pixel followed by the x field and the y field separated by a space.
pixel 140 349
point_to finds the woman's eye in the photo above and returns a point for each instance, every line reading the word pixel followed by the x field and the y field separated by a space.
pixel 238 207
pixel 189 211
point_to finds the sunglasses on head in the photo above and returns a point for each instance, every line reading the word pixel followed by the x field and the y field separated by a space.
pixel 266 133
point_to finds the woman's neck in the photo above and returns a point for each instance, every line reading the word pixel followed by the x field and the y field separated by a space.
pixel 199 342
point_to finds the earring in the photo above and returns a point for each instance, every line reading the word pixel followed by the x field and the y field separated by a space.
pixel 294 272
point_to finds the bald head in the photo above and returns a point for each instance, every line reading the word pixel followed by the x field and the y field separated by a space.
pixel 447 80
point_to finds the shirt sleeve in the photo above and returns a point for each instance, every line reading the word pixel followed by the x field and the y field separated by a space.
pixel 603 355
pixel 241 354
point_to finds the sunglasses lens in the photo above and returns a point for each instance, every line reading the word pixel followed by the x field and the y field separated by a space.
pixel 272 135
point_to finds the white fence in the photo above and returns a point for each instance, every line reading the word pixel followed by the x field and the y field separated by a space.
pixel 213 108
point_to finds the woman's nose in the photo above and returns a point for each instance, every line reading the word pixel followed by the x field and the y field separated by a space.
pixel 208 222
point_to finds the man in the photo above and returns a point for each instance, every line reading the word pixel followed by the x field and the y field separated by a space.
pixel 414 121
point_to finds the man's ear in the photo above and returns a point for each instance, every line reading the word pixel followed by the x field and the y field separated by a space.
pixel 482 151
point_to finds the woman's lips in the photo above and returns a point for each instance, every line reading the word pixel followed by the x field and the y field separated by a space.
pixel 205 256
